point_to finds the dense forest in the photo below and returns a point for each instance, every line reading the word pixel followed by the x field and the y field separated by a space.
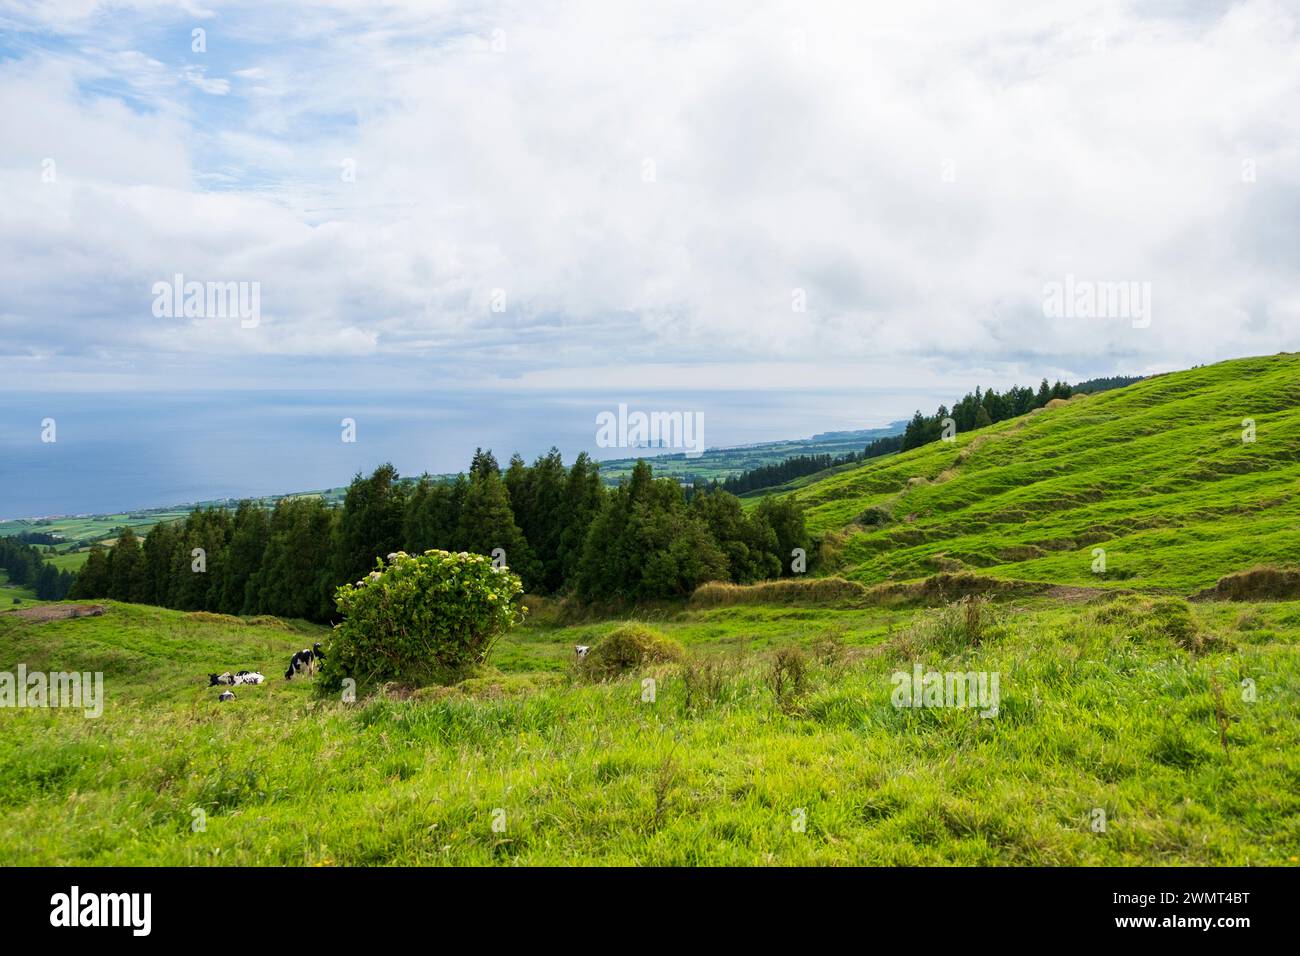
pixel 560 529
pixel 27 567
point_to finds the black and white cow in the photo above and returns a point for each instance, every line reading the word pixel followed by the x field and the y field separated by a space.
pixel 226 695
pixel 233 680
pixel 304 662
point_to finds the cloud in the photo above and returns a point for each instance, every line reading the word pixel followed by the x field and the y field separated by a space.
pixel 195 76
pixel 495 194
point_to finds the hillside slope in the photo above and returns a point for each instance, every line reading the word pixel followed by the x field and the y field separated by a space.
pixel 1156 474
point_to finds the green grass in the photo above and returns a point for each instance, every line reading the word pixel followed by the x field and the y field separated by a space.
pixel 1176 720
pixel 1156 474
pixel 1099 709
pixel 13 596
pixel 69 560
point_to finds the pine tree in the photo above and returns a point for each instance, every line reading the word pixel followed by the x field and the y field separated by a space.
pixel 370 526
pixel 584 496
pixel 92 579
pixel 124 582
pixel 241 558
pixel 487 523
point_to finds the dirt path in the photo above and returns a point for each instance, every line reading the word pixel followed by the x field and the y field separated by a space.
pixel 57 612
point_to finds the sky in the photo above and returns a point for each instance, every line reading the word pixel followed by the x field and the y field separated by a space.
pixel 539 199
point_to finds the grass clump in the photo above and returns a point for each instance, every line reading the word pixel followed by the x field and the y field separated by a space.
pixel 787 676
pixel 797 591
pixel 626 648
pixel 1160 619
pixel 953 629
pixel 1257 584
pixel 704 682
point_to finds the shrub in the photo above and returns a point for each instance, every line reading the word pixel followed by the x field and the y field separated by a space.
pixel 1165 618
pixel 785 675
pixel 704 681
pixel 421 619
pixel 952 629
pixel 628 647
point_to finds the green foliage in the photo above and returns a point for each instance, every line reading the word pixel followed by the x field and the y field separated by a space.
pixel 125 568
pixel 370 523
pixel 983 408
pixel 487 522
pixel 294 579
pixel 627 648
pixel 647 544
pixel 747 540
pixel 422 618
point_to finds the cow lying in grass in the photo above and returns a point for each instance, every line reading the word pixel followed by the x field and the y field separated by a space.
pixel 304 662
pixel 229 679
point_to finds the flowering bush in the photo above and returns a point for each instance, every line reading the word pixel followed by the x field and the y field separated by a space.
pixel 421 618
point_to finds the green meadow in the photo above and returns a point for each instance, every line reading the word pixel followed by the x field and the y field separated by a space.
pixel 1105 709
pixel 1136 721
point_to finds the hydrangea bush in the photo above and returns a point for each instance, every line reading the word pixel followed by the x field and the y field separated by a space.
pixel 421 618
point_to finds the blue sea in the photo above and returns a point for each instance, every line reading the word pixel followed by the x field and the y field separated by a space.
pixel 125 450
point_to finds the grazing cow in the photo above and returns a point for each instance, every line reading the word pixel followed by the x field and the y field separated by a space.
pixel 304 661
pixel 581 650
pixel 226 695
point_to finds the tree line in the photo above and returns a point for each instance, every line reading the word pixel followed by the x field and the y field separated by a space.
pixel 797 466
pixel 981 409
pixel 973 411
pixel 27 567
pixel 560 528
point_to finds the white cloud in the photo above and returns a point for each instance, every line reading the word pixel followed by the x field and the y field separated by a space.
pixel 918 170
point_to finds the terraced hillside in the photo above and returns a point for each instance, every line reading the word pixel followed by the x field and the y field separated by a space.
pixel 1156 474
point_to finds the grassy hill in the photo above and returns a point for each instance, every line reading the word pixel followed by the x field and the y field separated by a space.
pixel 1156 474
pixel 1172 723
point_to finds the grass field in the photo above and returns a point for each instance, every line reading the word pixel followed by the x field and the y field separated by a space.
pixel 13 596
pixel 1102 709
pixel 1132 725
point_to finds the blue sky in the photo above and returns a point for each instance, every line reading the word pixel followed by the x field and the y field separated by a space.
pixel 644 191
